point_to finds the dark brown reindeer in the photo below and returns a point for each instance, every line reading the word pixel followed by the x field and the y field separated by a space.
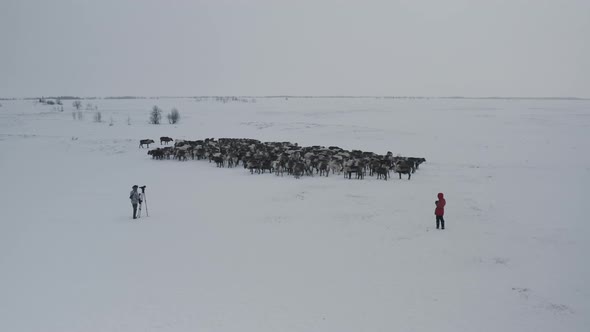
pixel 145 142
pixel 165 140
pixel 404 167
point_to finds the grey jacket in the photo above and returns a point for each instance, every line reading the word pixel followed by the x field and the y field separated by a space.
pixel 134 196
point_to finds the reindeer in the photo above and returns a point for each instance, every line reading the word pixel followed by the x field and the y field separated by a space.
pixel 382 172
pixel 323 168
pixel 146 142
pixel 156 154
pixel 298 169
pixel 404 167
pixel 165 140
pixel 416 162
pixel 180 155
pixel 335 166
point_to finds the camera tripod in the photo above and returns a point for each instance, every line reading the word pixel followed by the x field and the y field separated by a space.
pixel 142 199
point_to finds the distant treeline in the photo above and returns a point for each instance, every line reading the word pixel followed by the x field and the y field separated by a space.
pixel 294 97
pixel 57 97
pixel 125 97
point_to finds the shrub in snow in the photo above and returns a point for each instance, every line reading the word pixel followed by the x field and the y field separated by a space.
pixel 173 116
pixel 155 115
pixel 77 104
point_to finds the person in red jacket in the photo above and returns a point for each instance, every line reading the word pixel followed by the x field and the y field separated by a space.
pixel 439 212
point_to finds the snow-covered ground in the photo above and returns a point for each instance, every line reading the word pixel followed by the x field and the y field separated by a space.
pixel 224 250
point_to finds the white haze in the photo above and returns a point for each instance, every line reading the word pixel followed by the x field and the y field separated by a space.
pixel 434 48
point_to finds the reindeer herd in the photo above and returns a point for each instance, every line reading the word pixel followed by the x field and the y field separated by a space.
pixel 286 158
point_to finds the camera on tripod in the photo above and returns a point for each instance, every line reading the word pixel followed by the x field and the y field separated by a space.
pixel 142 199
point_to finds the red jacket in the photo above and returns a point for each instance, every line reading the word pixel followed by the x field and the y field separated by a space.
pixel 440 206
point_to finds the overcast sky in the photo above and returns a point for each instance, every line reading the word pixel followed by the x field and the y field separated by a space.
pixel 422 48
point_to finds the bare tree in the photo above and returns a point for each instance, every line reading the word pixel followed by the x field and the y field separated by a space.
pixel 155 115
pixel 97 117
pixel 77 104
pixel 173 116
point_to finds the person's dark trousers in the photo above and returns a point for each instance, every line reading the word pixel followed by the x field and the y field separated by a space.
pixel 135 212
pixel 440 221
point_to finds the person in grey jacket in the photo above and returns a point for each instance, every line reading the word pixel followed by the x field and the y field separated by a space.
pixel 135 199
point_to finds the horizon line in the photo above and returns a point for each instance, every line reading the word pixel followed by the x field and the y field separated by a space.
pixel 296 96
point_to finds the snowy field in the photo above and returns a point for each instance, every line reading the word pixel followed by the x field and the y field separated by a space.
pixel 224 250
